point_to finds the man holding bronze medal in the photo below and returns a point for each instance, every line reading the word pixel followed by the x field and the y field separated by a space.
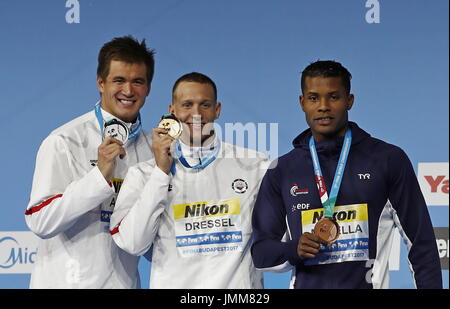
pixel 192 203
pixel 79 170
pixel 317 214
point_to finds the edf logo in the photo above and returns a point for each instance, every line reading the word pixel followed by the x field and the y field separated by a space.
pixel 300 206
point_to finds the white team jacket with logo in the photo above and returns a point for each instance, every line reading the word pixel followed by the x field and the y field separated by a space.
pixel 70 207
pixel 198 221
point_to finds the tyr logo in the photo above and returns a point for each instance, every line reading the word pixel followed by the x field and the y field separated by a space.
pixel 364 176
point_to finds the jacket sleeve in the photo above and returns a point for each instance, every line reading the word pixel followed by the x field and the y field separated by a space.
pixel 57 200
pixel 413 221
pixel 141 201
pixel 269 251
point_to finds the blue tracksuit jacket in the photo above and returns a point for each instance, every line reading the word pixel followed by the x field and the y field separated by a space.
pixel 379 192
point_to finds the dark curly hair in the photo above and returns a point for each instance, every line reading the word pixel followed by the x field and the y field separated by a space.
pixel 327 68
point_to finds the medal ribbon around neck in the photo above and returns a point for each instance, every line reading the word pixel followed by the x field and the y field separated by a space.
pixel 204 162
pixel 329 202
pixel 133 134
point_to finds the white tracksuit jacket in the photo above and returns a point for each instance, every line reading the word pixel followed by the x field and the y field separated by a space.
pixel 70 208
pixel 198 220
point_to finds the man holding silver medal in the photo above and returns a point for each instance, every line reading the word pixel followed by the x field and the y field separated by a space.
pixel 79 171
pixel 330 207
pixel 193 202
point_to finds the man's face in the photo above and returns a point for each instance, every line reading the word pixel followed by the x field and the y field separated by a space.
pixel 194 104
pixel 124 90
pixel 326 105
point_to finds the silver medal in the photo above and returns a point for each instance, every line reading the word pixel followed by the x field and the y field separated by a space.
pixel 116 129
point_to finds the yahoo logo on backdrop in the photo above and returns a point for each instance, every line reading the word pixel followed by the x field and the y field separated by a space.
pixel 433 181
pixel 17 252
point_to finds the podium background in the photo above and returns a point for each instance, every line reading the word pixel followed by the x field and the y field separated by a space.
pixel 253 50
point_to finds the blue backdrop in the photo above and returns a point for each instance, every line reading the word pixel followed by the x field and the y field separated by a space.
pixel 253 49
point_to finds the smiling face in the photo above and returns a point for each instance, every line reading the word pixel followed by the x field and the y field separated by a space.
pixel 124 90
pixel 326 105
pixel 195 105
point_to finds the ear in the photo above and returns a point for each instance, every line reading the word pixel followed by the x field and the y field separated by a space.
pixel 171 109
pixel 350 101
pixel 218 109
pixel 100 84
pixel 301 99
pixel 148 90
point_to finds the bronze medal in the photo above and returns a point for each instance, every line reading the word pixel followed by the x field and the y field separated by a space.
pixel 172 125
pixel 327 229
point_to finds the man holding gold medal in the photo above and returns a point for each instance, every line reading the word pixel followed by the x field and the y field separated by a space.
pixel 192 203
pixel 330 207
pixel 79 170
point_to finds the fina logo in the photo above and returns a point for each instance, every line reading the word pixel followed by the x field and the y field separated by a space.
pixel 12 254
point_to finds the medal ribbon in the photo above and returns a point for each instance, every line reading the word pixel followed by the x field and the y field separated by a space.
pixel 133 133
pixel 204 162
pixel 329 202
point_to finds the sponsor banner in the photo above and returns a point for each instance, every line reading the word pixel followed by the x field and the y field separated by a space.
pixel 208 239
pixel 208 227
pixel 109 204
pixel 18 252
pixel 433 180
pixel 353 242
pixel 442 241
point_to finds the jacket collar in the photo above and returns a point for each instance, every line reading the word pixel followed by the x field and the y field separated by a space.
pixel 333 145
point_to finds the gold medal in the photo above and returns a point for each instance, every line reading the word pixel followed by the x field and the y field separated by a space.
pixel 327 229
pixel 172 125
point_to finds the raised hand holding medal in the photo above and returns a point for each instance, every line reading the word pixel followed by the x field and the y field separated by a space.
pixel 172 125
pixel 114 135
pixel 168 130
